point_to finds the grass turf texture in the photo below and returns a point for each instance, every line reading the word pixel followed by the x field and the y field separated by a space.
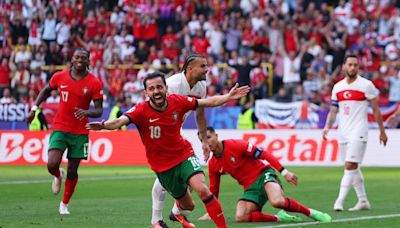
pixel 121 197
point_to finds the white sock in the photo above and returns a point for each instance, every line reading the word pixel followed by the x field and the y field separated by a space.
pixel 158 194
pixel 176 210
pixel 345 185
pixel 358 184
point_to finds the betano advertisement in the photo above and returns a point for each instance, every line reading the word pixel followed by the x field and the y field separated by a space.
pixel 292 147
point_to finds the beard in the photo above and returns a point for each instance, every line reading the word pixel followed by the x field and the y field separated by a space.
pixel 351 75
pixel 157 102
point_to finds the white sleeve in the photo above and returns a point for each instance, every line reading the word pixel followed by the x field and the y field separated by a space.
pixel 371 92
pixel 333 95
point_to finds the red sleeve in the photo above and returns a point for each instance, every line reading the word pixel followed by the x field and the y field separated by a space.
pixel 258 153
pixel 215 176
pixel 189 103
pixel 133 114
pixel 271 160
pixel 97 91
pixel 54 81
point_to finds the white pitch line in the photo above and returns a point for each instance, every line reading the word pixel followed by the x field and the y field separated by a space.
pixel 336 220
pixel 135 177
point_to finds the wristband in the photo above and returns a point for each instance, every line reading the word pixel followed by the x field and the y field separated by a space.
pixel 284 172
pixel 34 108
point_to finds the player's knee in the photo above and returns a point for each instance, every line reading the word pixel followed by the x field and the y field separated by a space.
pixel 241 217
pixel 350 165
pixel 277 202
pixel 204 192
pixel 188 206
pixel 52 166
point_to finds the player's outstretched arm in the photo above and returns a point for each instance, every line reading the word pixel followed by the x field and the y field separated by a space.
pixel 378 118
pixel 109 124
pixel 235 93
pixel 330 120
pixel 43 95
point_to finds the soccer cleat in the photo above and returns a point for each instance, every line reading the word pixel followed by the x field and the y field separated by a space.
pixel 160 224
pixel 361 205
pixel 182 220
pixel 285 217
pixel 63 209
pixel 338 206
pixel 56 184
pixel 320 216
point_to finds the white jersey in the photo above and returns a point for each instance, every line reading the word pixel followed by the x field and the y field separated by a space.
pixel 178 84
pixel 352 100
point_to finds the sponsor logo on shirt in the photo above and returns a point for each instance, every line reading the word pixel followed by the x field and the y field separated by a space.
pixel 153 120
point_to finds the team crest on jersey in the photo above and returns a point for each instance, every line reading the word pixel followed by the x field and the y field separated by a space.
pixel 175 116
pixel 233 159
pixel 85 90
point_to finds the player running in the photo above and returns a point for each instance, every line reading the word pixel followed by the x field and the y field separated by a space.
pixel 171 157
pixel 190 82
pixel 78 87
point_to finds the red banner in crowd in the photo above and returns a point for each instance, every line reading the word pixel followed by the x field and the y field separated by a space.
pixel 105 148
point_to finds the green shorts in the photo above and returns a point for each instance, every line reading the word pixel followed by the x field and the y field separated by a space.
pixel 77 145
pixel 256 192
pixel 175 179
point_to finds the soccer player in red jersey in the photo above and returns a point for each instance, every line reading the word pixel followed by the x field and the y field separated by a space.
pixel 171 157
pixel 243 161
pixel 78 87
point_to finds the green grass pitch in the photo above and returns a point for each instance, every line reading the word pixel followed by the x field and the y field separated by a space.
pixel 121 197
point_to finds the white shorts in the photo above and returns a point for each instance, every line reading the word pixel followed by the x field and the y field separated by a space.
pixel 353 151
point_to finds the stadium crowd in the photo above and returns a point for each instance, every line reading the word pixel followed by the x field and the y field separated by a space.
pixel 294 47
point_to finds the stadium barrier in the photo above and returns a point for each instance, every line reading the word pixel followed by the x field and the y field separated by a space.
pixel 292 147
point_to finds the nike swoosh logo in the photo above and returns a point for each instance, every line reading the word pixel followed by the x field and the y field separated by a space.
pixel 153 120
pixel 63 86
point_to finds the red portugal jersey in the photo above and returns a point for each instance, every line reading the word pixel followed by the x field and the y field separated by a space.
pixel 161 131
pixel 74 94
pixel 238 161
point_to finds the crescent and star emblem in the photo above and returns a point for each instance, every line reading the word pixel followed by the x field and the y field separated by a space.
pixel 346 95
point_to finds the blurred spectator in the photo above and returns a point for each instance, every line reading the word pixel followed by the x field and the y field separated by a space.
pixel 282 96
pixel 63 31
pixel 394 90
pixel 4 74
pixel 49 27
pixel 53 56
pixel 22 55
pixel 322 112
pixel 20 81
pixel 54 97
pixel 7 98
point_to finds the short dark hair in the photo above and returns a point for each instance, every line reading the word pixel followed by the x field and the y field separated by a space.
pixel 83 50
pixel 190 58
pixel 349 56
pixel 153 75
pixel 209 128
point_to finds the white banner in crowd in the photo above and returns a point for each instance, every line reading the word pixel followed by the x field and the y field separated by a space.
pixel 306 147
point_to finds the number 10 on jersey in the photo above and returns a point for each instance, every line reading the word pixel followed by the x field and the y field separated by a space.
pixel 155 132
